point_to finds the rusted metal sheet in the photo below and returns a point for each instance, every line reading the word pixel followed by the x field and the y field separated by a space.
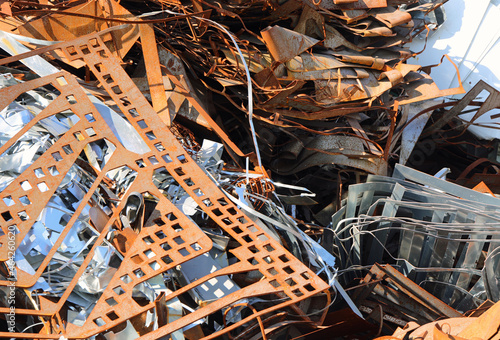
pixel 398 297
pixel 283 276
pixel 154 74
pixel 491 102
pixel 350 5
pixel 461 328
pixel 62 27
pixel 284 44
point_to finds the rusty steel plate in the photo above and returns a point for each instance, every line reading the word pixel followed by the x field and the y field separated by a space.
pixel 284 276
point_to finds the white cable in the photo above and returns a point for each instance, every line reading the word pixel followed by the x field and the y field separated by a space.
pixel 249 87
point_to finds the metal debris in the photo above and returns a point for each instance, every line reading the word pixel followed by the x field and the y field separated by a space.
pixel 204 169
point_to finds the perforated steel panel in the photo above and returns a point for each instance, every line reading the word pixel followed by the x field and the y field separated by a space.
pixel 171 239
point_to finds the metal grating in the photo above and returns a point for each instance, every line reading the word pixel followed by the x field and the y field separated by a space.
pixel 258 251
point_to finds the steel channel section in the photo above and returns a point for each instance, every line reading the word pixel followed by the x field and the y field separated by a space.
pixel 258 251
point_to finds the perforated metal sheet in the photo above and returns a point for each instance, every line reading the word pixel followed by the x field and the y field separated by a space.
pixel 283 275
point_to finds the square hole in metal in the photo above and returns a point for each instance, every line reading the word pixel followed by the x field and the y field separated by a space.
pixel 179 171
pixel 140 163
pixel 232 211
pixel 124 101
pixel 148 240
pixel 171 217
pixel 247 238
pixel 116 89
pixel 284 258
pixel 138 273
pixel 290 282
pixel 167 158
pixel 184 252
pixel 25 185
pixel 111 302
pixel 118 290
pixel 262 237
pixel 79 137
pixel 288 270
pixel 167 259
pixel 207 202
pixel 61 81
pixel 297 292
pixel 42 187
pixel 242 220
pixel 149 253
pixel 227 221
pixel 93 42
pixel 178 240
pixel 269 248
pixel 253 249
pixel 272 271
pixel 160 234
pixel 8 201
pixel 71 99
pixel 151 135
pixel 189 182
pixel 6 216
pixel 177 227
pixel 125 278
pixel 98 67
pixel 253 229
pixel 154 265
pixel 112 316
pixel 182 159
pixel 142 124
pixel 196 246
pixel 222 201
pixel 90 117
pixel 217 212
pixel 71 50
pixel 268 259
pixel 160 147
pixel 198 192
pixel 53 171
pixel 306 276
pixel 99 322
pixel 136 259
pixel 274 283
pixel 165 246
pixel 133 113
pixel 153 160
pixel 67 149
pixel 309 287
pixel 39 173
pixel 237 230
pixel 57 156
pixel 159 222
pixel 25 200
pixel 90 132
pixel 85 50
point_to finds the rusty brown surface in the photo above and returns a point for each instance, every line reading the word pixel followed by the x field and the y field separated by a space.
pixel 461 328
pixel 398 297
pixel 254 243
pixel 331 93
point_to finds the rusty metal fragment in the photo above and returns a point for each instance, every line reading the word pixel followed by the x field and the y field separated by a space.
pixel 146 253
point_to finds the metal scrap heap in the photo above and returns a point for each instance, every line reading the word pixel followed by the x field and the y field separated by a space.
pixel 204 169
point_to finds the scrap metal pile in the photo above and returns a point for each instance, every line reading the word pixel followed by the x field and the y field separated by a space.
pixel 205 169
